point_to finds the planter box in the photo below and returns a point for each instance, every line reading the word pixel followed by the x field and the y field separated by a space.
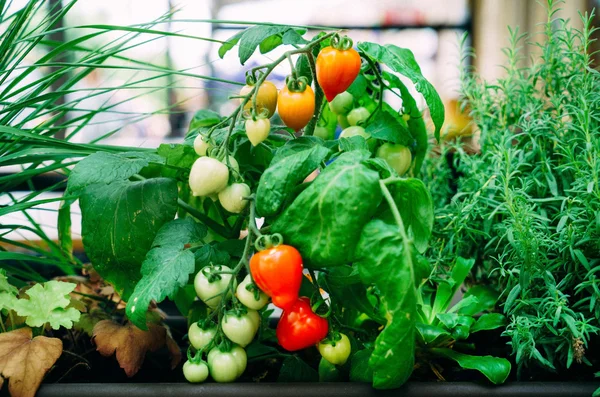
pixel 414 389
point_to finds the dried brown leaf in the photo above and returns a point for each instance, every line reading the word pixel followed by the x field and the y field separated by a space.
pixel 174 350
pixel 24 361
pixel 129 342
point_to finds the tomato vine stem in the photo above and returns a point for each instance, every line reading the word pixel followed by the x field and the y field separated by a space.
pixel 319 96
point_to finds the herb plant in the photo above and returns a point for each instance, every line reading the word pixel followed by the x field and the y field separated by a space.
pixel 526 207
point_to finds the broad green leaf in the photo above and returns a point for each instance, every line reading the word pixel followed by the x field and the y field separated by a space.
pixel 382 260
pixel 384 126
pixel 489 321
pixel 257 349
pixel 402 60
pixel 294 146
pixel 358 88
pixel 255 35
pixel 230 43
pixel 458 325
pixel 5 285
pixel 166 268
pixel 105 168
pixel 294 36
pixel 211 254
pixel 177 155
pixel 431 334
pixel 119 222
pixel 204 118
pixel 48 303
pixel 494 368
pixel 8 292
pixel 360 370
pixel 279 180
pixel 461 269
pixel 294 369
pixel 328 372
pixel 486 299
pixel 320 224
pixel 416 208
pixel 353 143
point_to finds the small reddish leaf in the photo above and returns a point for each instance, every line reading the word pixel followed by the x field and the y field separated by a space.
pixel 129 342
pixel 24 361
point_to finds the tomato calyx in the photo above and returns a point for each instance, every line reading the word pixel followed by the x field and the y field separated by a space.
pixel 296 84
pixel 317 306
pixel 213 273
pixel 341 43
pixel 266 241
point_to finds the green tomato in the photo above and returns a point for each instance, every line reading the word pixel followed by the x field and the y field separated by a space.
pixel 239 328
pixel 245 293
pixel 342 103
pixel 257 130
pixel 210 285
pixel 233 165
pixel 336 352
pixel 199 337
pixel 195 372
pixel 227 366
pixel 323 133
pixel 358 116
pixel 397 156
pixel 208 176
pixel 343 121
pixel 359 131
pixel 201 146
pixel 232 197
pixel 255 318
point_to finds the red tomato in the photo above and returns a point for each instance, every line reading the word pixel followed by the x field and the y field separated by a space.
pixel 277 271
pixel 296 108
pixel 299 327
pixel 337 68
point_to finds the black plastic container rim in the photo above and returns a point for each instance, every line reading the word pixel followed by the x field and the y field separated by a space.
pixel 412 389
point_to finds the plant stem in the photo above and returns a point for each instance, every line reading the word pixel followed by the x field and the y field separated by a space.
pixel 310 128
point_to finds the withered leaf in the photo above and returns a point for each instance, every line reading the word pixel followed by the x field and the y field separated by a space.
pixel 24 361
pixel 128 342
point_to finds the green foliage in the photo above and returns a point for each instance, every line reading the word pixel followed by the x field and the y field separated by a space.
pixel 119 222
pixel 47 304
pixel 294 369
pixel 526 207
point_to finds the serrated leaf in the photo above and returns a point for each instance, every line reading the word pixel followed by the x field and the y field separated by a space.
pixel 119 222
pixel 166 268
pixel 48 303
pixel 402 60
pixel 356 142
pixel 5 285
pixel 255 35
pixel 105 168
pixel 24 361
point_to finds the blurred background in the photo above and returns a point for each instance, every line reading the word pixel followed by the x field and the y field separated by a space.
pixel 146 107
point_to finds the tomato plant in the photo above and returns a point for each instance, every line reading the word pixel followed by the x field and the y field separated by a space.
pixel 397 156
pixel 195 372
pixel 245 212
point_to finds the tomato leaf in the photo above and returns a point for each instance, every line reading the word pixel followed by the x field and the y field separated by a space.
pixel 103 167
pixel 294 369
pixel 328 372
pixel 177 155
pixel 211 253
pixel 360 371
pixel 255 35
pixel 402 60
pixel 24 361
pixel 166 268
pixel 416 208
pixel 382 260
pixel 295 146
pixel 204 118
pixel 324 228
pixel 279 180
pixel 353 143
pixel 294 36
pixel 384 126
pixel 494 368
pixel 119 222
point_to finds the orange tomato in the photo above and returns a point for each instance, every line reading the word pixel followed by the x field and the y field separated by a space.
pixel 265 99
pixel 336 70
pixel 296 108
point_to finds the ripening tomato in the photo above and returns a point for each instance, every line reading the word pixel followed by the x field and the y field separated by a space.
pixel 201 146
pixel 336 351
pixel 266 99
pixel 257 130
pixel 358 116
pixel 342 103
pixel 337 67
pixel 208 176
pixel 296 108
pixel 299 327
pixel 397 156
pixel 234 197
pixel 195 372
pixel 277 271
